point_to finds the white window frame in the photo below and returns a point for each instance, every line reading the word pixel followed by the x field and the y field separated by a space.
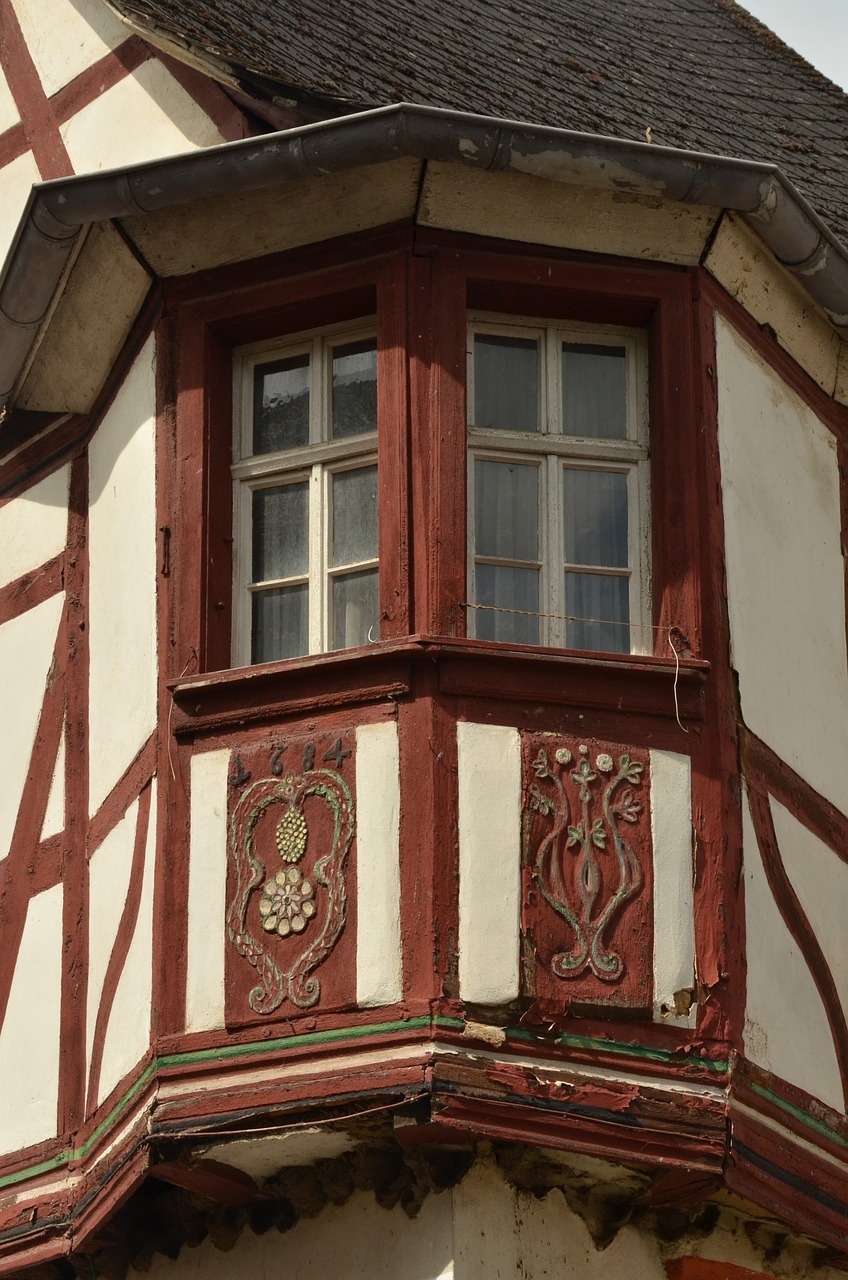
pixel 315 462
pixel 550 450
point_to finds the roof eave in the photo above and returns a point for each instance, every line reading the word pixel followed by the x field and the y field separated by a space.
pixel 58 211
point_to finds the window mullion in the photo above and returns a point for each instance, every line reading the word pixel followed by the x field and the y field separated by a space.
pixel 317 555
pixel 552 573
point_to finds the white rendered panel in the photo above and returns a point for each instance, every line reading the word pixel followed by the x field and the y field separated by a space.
pixel 109 871
pixel 165 118
pixel 207 891
pixel 54 814
pixel 29 1041
pixel 9 114
pixel 674 909
pixel 128 1033
pixel 820 879
pixel 64 37
pixel 786 1027
pixel 785 571
pixel 489 862
pixel 122 592
pixel 378 946
pixel 16 179
pixel 355 1241
pixel 26 653
pixel 34 527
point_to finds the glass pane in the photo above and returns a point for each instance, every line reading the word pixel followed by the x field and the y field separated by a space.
pixel 355 388
pixel 595 511
pixel 356 609
pixel 280 623
pixel 506 504
pixel 354 515
pixel 594 391
pixel 507 588
pixel 598 608
pixel 281 404
pixel 280 532
pixel 506 382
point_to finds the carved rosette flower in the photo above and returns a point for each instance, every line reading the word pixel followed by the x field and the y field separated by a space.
pixel 286 905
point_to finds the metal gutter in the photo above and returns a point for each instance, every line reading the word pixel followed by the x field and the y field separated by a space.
pixel 58 211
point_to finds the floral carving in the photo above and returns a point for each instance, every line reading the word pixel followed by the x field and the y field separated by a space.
pixel 290 906
pixel 584 864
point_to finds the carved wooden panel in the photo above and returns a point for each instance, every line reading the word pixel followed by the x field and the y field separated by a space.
pixel 587 919
pixel 291 827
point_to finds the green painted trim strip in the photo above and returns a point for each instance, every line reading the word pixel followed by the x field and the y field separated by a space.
pixel 336 1036
pixel 810 1121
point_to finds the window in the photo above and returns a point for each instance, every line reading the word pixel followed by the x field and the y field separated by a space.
pixel 558 485
pixel 305 495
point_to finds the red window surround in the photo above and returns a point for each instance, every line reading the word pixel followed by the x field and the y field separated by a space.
pixel 421 295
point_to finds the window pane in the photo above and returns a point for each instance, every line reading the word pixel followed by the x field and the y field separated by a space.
pixel 280 532
pixel 281 404
pixel 356 609
pixel 507 588
pixel 598 607
pixel 355 388
pixel 506 382
pixel 354 515
pixel 506 502
pixel 594 391
pixel 595 512
pixel 280 623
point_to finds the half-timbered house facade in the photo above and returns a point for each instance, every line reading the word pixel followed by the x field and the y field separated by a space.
pixel 424 812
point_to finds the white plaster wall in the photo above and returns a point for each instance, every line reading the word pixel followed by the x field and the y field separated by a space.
pixel 122 592
pixel 145 115
pixel 820 880
pixel 786 1028
pixel 674 908
pixel 9 114
pixel 359 1241
pixel 128 1032
pixel 34 527
pixel 378 945
pixel 54 814
pixel 207 891
pixel 26 650
pixel 109 877
pixel 785 571
pixel 16 179
pixel 29 1040
pixel 489 762
pixel 66 36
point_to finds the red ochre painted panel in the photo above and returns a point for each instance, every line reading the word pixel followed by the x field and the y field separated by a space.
pixel 706 1269
pixel 291 910
pixel 587 877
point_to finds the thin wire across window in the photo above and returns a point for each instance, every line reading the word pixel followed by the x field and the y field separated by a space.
pixel 558 479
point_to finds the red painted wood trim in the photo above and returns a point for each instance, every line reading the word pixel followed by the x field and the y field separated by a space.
pixel 129 786
pixel 828 410
pixel 16 876
pixel 818 815
pixel 393 449
pixel 121 947
pixel 717 806
pixel 32 589
pixel 101 76
pixel 37 115
pixel 230 122
pixel 72 1046
pixel 799 926
pixel 705 1269
pixel 749 1087
pixel 842 461
pixel 13 143
pixel 60 441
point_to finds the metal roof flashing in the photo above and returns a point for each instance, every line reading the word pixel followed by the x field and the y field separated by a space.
pixel 59 211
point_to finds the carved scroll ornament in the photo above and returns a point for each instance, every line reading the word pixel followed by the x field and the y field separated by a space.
pixel 264 928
